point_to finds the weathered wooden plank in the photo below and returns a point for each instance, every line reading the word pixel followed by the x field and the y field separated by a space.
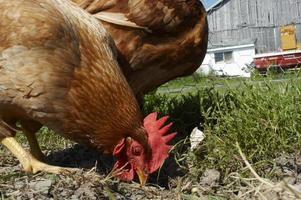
pixel 254 19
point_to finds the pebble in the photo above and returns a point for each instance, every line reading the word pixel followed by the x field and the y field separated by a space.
pixel 41 185
pixel 210 177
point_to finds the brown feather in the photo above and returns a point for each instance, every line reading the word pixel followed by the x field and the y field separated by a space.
pixel 58 68
pixel 175 47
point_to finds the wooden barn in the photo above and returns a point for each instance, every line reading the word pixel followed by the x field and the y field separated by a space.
pixel 240 30
pixel 261 21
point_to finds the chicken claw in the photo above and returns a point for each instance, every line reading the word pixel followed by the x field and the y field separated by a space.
pixel 29 163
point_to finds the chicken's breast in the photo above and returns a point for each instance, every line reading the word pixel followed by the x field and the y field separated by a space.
pixel 40 48
pixel 58 67
pixel 38 54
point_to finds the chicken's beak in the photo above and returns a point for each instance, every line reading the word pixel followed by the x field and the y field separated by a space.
pixel 142 176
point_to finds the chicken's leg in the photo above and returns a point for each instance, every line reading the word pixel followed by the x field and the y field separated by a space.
pixel 35 149
pixel 29 163
pixel 29 129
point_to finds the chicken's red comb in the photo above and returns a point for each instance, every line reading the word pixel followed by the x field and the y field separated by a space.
pixel 157 139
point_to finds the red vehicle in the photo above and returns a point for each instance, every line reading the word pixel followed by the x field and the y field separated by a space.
pixel 279 60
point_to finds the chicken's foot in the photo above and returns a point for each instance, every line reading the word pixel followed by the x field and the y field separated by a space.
pixel 29 163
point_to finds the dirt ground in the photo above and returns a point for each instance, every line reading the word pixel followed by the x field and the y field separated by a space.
pixel 94 181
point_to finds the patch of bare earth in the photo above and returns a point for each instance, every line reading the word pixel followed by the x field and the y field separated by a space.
pixel 94 181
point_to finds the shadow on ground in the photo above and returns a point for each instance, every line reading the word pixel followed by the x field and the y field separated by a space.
pixel 79 156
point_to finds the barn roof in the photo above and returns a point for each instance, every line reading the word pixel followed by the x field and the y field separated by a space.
pixel 214 5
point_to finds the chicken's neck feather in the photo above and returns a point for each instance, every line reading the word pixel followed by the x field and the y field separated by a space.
pixel 103 108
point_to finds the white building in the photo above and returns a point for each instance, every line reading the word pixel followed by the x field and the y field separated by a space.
pixel 229 60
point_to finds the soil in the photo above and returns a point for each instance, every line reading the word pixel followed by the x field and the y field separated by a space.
pixel 91 182
pixel 94 182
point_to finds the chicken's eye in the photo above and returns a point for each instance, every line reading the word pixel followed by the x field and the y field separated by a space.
pixel 137 151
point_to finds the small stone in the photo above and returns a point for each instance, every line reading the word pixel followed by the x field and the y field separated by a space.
pixel 298 164
pixel 286 161
pixel 298 179
pixel 84 191
pixel 297 187
pixel 288 172
pixel 290 180
pixel 194 190
pixel 210 177
pixel 271 195
pixel 19 184
pixel 41 185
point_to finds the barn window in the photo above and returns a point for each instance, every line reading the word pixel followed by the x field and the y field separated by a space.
pixel 228 56
pixel 223 57
pixel 219 57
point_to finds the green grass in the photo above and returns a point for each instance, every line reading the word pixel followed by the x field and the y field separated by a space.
pixel 264 118
pixel 199 81
pixel 47 139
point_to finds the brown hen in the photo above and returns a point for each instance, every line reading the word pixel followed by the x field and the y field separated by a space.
pixel 157 40
pixel 58 68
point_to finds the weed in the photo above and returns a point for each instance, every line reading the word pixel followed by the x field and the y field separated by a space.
pixel 262 117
